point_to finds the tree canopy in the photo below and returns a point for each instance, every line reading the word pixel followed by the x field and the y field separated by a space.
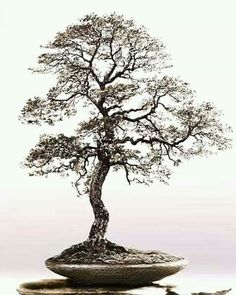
pixel 139 119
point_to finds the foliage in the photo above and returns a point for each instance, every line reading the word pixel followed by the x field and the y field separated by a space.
pixel 138 120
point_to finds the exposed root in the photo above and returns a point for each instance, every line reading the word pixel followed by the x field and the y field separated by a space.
pixel 106 252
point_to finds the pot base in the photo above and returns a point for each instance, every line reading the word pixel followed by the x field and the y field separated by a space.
pixel 125 275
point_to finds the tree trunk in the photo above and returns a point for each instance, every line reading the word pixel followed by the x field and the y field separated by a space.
pixel 98 229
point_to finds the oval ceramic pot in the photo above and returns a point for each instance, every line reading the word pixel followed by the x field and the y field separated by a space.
pixel 133 275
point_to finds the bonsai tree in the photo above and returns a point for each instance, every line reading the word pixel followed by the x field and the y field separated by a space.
pixel 135 118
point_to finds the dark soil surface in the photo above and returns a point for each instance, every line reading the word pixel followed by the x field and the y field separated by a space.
pixel 110 253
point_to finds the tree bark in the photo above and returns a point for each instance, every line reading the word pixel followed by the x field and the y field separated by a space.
pixel 99 226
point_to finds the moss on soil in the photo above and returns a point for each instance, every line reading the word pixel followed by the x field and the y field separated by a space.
pixel 110 253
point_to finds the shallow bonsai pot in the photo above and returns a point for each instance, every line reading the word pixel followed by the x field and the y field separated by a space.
pixel 125 275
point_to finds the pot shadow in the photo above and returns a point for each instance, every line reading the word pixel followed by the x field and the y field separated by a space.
pixel 65 286
pixel 169 291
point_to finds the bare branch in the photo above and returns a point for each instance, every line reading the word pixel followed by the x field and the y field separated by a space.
pixel 100 62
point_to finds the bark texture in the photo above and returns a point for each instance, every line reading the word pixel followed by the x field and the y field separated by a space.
pixel 99 226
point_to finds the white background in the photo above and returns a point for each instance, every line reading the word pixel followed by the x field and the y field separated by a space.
pixel 195 216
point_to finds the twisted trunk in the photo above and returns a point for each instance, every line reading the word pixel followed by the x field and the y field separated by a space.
pixel 99 226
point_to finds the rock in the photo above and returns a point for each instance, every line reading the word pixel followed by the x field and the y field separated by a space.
pixel 120 274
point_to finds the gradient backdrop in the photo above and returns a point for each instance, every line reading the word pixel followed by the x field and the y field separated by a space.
pixel 194 216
